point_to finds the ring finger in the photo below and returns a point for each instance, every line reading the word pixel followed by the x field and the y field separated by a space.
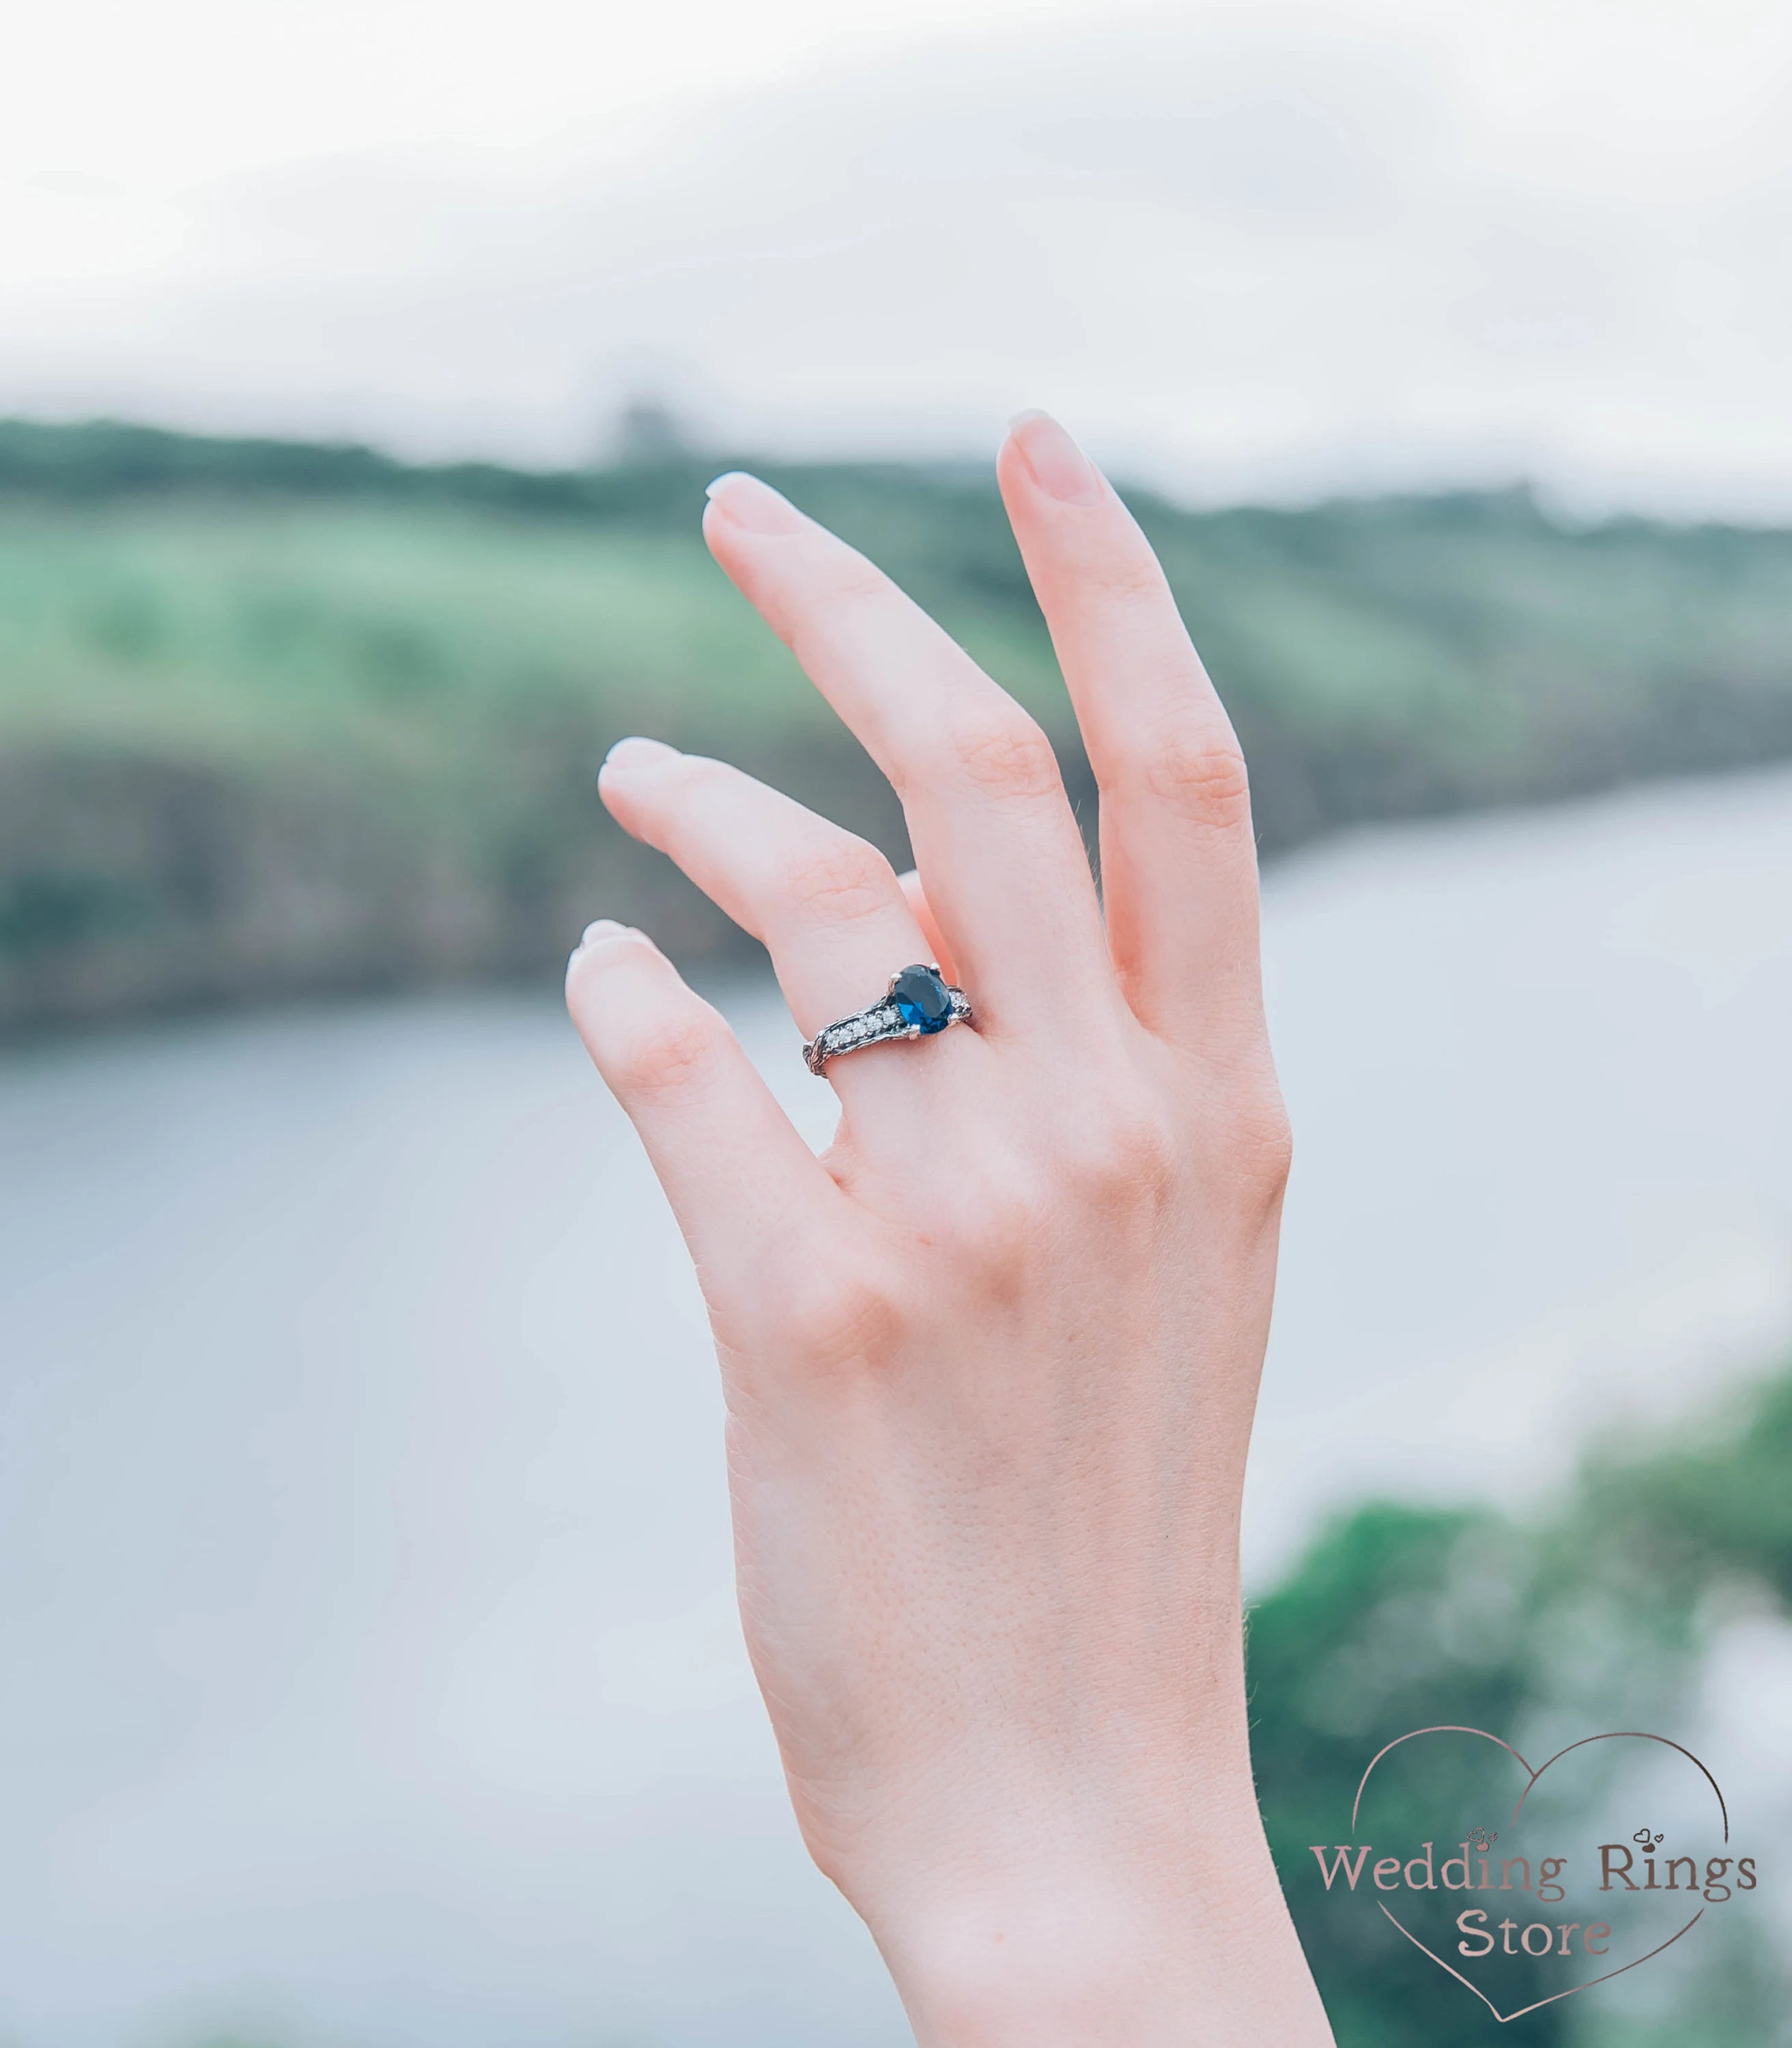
pixel 826 905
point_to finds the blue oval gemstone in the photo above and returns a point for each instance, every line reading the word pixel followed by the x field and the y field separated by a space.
pixel 920 996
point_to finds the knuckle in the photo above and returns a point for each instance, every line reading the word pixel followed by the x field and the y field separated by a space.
pixel 1115 1153
pixel 1198 767
pixel 998 1221
pixel 839 878
pixel 1128 1155
pixel 1005 755
pixel 1259 1141
pixel 836 1317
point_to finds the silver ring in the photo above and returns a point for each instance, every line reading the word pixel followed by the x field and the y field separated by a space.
pixel 918 1003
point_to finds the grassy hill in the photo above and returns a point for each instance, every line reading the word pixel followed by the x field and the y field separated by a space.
pixel 277 717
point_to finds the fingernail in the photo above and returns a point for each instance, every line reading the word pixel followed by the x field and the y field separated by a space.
pixel 754 506
pixel 597 934
pixel 637 753
pixel 1059 468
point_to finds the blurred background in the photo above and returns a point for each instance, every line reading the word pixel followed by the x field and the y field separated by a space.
pixel 373 1675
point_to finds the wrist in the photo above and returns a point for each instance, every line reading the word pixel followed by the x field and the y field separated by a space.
pixel 1097 1962
pixel 1184 1941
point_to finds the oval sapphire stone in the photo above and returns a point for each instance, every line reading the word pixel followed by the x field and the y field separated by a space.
pixel 922 997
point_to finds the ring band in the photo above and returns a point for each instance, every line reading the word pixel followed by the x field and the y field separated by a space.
pixel 918 1003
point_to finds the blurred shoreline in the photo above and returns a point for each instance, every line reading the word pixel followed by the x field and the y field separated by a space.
pixel 280 721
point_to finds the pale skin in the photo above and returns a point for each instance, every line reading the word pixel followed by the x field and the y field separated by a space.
pixel 991 1361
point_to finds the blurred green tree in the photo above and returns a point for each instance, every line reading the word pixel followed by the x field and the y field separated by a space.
pixel 1402 1618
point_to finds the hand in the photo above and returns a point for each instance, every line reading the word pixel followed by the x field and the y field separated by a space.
pixel 991 1361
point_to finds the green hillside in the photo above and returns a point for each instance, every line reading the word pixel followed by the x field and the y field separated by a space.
pixel 278 717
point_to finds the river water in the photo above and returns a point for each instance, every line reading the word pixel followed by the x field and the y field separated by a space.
pixel 372 1674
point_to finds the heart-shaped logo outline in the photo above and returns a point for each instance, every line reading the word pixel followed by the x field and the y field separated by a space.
pixel 1531 1777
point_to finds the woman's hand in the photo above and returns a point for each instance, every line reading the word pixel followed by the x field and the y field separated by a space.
pixel 991 1361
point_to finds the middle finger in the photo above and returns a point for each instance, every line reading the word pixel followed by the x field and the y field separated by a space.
pixel 993 835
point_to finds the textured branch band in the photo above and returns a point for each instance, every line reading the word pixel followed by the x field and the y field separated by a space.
pixel 919 1003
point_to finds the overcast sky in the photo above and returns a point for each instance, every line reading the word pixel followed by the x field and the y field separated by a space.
pixel 1249 251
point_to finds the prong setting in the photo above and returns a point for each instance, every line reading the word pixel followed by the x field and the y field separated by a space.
pixel 917 1004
